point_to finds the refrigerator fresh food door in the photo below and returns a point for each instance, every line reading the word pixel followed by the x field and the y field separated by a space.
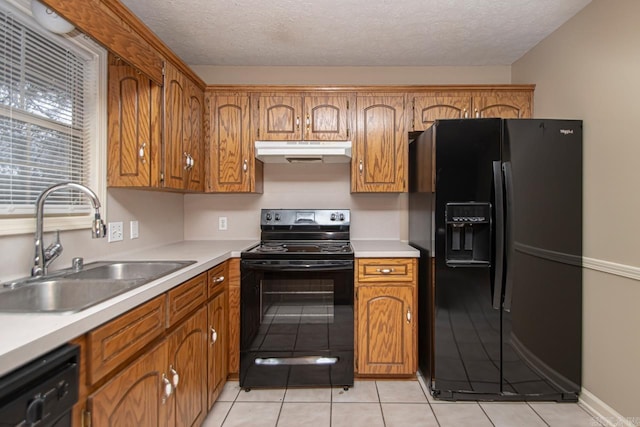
pixel 542 317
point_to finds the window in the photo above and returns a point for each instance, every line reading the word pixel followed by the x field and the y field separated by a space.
pixel 51 91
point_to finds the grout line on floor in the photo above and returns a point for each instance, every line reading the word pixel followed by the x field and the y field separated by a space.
pixel 536 412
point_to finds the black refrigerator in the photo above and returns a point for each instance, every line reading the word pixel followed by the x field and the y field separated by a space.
pixel 495 207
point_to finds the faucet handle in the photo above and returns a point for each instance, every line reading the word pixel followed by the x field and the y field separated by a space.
pixel 53 251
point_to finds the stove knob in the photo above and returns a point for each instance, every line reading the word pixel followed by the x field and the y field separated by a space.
pixel 268 216
pixel 277 217
pixel 333 217
pixel 341 217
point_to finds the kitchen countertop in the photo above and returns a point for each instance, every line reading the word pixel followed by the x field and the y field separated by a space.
pixel 24 336
pixel 383 249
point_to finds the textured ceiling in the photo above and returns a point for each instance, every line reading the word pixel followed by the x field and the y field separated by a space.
pixel 353 32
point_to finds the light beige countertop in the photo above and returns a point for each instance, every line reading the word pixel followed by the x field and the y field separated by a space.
pixel 24 336
pixel 383 249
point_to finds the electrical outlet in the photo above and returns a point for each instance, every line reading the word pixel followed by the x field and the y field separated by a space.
pixel 222 223
pixel 134 229
pixel 115 231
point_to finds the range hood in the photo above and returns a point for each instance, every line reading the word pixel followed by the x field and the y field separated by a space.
pixel 303 151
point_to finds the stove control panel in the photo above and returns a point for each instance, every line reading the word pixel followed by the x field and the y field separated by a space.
pixel 295 217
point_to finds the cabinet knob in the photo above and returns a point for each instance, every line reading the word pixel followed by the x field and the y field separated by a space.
pixel 297 122
pixel 214 335
pixel 186 160
pixel 141 152
pixel 175 378
pixel 308 122
pixel 361 167
pixel 409 315
pixel 245 166
pixel 477 114
pixel 167 389
pixel 465 113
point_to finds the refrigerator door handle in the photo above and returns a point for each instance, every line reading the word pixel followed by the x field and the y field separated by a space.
pixel 508 186
pixel 499 210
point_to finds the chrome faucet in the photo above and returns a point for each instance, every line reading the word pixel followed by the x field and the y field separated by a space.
pixel 44 257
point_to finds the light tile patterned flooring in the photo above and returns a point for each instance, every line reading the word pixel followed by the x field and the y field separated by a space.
pixel 380 404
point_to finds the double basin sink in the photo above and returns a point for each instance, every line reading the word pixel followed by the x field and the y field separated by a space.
pixel 70 291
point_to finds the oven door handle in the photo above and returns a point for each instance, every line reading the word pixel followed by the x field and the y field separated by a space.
pixel 311 266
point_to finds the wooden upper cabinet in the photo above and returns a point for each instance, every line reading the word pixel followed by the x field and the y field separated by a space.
pixel 327 118
pixel 380 152
pixel 280 117
pixel 231 163
pixel 314 117
pixel 175 137
pixel 133 115
pixel 506 105
pixel 428 109
pixel 195 138
pixel 183 132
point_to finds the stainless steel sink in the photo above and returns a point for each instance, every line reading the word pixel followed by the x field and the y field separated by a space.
pixel 128 270
pixel 71 291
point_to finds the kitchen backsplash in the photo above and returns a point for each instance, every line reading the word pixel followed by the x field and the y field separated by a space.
pixel 320 186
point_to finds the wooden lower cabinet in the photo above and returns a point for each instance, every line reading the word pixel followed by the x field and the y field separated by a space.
pixel 136 396
pixel 386 324
pixel 385 330
pixel 188 370
pixel 217 351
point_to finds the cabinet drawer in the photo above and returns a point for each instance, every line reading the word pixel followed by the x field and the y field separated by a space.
pixel 386 270
pixel 186 298
pixel 217 279
pixel 115 342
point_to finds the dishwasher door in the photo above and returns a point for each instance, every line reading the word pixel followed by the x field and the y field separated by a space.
pixel 42 392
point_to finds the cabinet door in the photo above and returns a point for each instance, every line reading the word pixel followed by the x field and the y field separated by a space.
pixel 129 118
pixel 194 137
pixel 385 330
pixel 175 138
pixel 135 397
pixel 507 105
pixel 231 159
pixel 327 118
pixel 380 162
pixel 280 118
pixel 217 352
pixel 428 109
pixel 233 328
pixel 187 370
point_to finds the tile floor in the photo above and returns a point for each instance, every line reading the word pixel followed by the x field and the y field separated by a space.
pixel 380 403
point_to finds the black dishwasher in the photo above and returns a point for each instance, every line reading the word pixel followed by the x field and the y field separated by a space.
pixel 42 392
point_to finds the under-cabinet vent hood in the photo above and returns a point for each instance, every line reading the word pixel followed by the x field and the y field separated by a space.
pixel 303 151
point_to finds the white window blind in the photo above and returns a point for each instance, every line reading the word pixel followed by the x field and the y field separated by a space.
pixel 47 114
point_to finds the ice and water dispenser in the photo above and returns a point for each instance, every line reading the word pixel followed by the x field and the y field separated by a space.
pixel 468 234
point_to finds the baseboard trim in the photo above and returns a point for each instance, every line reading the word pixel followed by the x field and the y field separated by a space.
pixel 605 413
pixel 623 270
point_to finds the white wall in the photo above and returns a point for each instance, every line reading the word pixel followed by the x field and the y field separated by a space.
pixel 160 217
pixel 589 69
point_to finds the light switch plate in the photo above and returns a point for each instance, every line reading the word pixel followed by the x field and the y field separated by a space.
pixel 115 232
pixel 134 229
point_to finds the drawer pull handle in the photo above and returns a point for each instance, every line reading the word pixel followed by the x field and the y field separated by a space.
pixel 167 389
pixel 385 270
pixel 409 315
pixel 214 335
pixel 217 280
pixel 175 377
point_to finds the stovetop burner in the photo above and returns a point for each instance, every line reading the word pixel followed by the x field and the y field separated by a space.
pixel 298 247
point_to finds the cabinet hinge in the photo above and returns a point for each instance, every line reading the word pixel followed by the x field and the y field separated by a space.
pixel 258 135
pixel 86 418
pixel 161 176
pixel 347 104
pixel 347 132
